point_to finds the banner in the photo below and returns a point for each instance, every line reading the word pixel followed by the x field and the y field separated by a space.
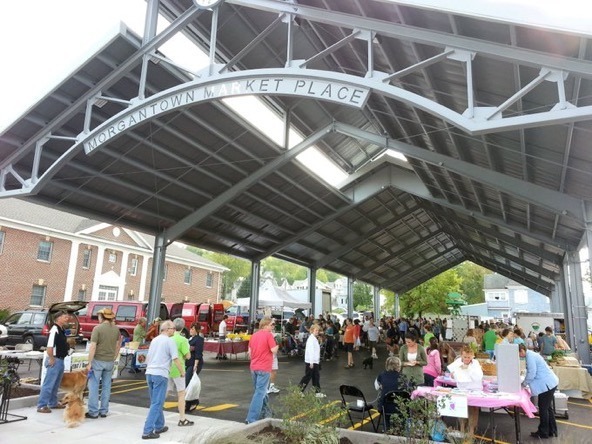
pixel 452 405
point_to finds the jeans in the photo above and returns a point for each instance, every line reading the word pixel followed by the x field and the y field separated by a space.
pixel 259 407
pixel 101 372
pixel 547 425
pixel 157 389
pixel 49 390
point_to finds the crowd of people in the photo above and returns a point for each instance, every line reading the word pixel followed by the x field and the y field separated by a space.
pixel 418 353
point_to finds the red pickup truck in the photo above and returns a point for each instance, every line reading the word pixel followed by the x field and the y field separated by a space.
pixel 127 314
pixel 208 315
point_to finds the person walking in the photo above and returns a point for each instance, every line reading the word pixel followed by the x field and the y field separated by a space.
pixel 176 379
pixel 195 362
pixel 161 353
pixel 262 347
pixel 57 350
pixel 543 383
pixel 373 336
pixel 312 359
pixel 489 340
pixel 348 341
pixel 105 341
pixel 548 342
pixel 433 369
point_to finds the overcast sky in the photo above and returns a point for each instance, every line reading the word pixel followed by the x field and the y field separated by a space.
pixel 43 41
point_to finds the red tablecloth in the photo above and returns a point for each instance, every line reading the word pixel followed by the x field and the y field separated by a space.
pixel 223 348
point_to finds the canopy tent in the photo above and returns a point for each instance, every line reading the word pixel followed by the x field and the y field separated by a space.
pixel 275 297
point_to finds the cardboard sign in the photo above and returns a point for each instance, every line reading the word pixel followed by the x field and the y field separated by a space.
pixel 452 405
pixel 141 355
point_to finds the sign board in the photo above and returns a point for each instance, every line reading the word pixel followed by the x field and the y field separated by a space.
pixel 453 405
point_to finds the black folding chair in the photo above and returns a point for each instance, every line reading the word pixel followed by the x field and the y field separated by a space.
pixel 353 400
pixel 391 405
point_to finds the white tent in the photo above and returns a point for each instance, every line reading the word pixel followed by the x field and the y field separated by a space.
pixel 272 296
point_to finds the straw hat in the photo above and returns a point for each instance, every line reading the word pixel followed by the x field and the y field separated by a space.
pixel 107 313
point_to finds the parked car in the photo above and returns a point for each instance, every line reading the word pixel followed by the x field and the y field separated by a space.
pixel 32 326
pixel 127 314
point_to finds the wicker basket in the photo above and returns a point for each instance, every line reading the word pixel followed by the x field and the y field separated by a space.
pixel 489 368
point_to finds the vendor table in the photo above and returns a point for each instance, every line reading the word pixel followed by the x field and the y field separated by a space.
pixel 492 401
pixel 574 379
pixel 130 358
pixel 226 347
pixel 29 356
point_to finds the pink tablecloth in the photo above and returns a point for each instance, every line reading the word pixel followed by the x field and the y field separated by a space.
pixel 477 399
pixel 227 347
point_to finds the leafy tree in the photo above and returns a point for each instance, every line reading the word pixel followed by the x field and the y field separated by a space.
pixel 283 270
pixel 244 291
pixel 472 281
pixel 389 302
pixel 362 296
pixel 430 296
pixel 238 268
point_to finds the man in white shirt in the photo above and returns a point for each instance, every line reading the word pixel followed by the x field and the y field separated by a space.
pixel 222 336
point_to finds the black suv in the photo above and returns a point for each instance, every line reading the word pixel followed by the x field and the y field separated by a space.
pixel 32 326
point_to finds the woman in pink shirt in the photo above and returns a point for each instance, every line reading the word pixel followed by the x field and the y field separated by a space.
pixel 434 367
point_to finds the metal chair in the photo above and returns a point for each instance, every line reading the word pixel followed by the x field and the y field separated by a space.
pixel 391 405
pixel 353 400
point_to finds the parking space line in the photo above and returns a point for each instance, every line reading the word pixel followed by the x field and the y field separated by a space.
pixel 219 407
pixel 357 425
pixel 142 387
pixel 581 405
pixel 321 408
pixel 569 423
pixel 214 408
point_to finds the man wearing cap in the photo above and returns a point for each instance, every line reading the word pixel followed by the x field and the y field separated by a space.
pixel 105 340
pixel 57 350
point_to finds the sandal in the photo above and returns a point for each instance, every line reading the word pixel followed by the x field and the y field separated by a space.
pixel 185 423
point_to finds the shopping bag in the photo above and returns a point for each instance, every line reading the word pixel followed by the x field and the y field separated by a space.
pixel 193 390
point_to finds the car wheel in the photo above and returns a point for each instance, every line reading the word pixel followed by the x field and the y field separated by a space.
pixel 30 340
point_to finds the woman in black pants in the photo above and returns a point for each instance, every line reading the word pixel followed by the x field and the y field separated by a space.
pixel 195 362
pixel 543 383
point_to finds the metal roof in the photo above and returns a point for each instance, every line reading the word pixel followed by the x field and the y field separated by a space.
pixel 494 119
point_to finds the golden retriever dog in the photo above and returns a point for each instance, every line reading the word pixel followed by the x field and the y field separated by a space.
pixel 74 412
pixel 75 382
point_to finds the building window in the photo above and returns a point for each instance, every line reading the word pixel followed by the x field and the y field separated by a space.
pixel 44 251
pixel 133 270
pixel 187 276
pixel 107 293
pixel 496 296
pixel 38 295
pixel 86 259
pixel 2 234
pixel 82 295
pixel 209 279
pixel 112 257
pixel 521 296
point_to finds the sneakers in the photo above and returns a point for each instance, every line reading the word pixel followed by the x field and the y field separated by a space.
pixel 273 389
pixel 88 415
pixel 163 430
pixel 45 409
pixel 320 395
pixel 151 435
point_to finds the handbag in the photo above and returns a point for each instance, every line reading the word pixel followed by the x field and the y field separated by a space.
pixel 193 390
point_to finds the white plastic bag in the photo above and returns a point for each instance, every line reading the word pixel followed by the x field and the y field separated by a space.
pixel 193 390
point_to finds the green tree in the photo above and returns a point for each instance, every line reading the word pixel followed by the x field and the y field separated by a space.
pixel 244 291
pixel 362 296
pixel 389 303
pixel 472 281
pixel 237 268
pixel 283 270
pixel 430 296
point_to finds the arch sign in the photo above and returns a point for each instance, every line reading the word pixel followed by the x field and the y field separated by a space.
pixel 319 88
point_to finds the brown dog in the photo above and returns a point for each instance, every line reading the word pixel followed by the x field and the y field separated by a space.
pixel 75 382
pixel 74 413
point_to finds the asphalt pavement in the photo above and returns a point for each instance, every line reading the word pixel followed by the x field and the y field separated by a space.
pixel 225 397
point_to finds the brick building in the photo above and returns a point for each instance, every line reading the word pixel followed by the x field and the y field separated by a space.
pixel 48 256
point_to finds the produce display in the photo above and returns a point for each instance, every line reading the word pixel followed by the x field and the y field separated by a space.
pixel 238 336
